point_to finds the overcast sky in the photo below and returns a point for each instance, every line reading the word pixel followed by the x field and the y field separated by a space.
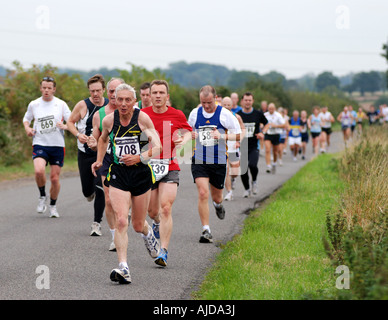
pixel 293 37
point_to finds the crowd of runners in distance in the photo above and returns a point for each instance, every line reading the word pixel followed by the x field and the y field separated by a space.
pixel 127 153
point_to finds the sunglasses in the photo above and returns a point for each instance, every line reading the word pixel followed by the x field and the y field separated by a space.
pixel 48 79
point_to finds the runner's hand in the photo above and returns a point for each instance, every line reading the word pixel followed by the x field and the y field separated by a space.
pixel 83 138
pixel 92 142
pixel 30 132
pixel 130 160
pixel 61 125
pixel 95 166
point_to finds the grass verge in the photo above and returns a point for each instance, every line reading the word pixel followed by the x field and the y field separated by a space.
pixel 26 169
pixel 280 253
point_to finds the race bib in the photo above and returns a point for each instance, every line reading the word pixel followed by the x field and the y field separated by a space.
pixel 250 129
pixel 346 121
pixel 127 145
pixel 295 132
pixel 159 167
pixel 205 138
pixel 271 131
pixel 47 125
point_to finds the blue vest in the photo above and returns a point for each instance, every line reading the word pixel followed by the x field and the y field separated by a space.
pixel 294 128
pixel 208 150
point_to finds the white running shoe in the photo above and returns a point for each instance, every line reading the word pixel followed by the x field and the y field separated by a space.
pixel 295 159
pixel 254 187
pixel 273 169
pixel 152 244
pixel 53 212
pixel 246 193
pixel 112 246
pixel 229 196
pixel 95 229
pixel 269 168
pixel 41 208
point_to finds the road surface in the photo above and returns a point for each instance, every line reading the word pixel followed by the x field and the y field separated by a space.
pixel 49 259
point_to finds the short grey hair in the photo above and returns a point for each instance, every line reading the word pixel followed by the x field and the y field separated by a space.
pixel 113 79
pixel 125 86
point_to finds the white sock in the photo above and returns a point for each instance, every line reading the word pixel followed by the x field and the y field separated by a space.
pixel 123 265
pixel 147 236
pixel 112 232
pixel 217 205
pixel 206 227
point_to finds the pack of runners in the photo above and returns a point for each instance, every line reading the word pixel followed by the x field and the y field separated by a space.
pixel 127 153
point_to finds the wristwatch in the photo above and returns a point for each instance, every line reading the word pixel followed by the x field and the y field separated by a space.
pixel 142 159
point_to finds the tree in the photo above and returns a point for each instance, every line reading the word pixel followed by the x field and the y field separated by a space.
pixel 326 79
pixel 385 55
pixel 367 82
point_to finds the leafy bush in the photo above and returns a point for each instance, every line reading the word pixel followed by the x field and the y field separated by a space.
pixel 357 232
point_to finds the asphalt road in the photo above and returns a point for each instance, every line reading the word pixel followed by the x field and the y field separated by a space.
pixel 59 253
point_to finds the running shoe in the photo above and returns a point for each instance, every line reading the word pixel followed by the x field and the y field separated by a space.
pixel 155 229
pixel 112 247
pixel 161 260
pixel 152 244
pixel 91 197
pixel 246 193
pixel 229 196
pixel 220 211
pixel 233 180
pixel 41 208
pixel 95 229
pixel 206 237
pixel 254 187
pixel 53 212
pixel 273 170
pixel 269 169
pixel 121 276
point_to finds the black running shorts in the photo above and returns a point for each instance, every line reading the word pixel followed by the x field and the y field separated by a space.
pixel 134 179
pixel 215 172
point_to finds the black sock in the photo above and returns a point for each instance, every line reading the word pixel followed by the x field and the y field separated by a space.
pixel 42 191
pixel 53 202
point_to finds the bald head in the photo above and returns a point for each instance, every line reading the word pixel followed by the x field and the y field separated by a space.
pixel 227 103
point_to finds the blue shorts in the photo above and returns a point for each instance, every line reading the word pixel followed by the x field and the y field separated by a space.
pixel 52 155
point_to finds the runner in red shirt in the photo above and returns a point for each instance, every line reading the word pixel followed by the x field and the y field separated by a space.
pixel 174 132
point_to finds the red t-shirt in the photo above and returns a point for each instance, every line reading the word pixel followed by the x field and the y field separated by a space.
pixel 168 125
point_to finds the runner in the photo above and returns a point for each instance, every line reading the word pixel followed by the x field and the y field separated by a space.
pixel 129 177
pixel 92 143
pixel 252 119
pixel 384 113
pixel 272 136
pixel 346 119
pixel 295 135
pixel 326 119
pixel 212 126
pixel 174 132
pixel 80 124
pixel 235 107
pixel 145 96
pixel 282 141
pixel 233 163
pixel 304 132
pixel 361 116
pixel 314 124
pixel 48 141
pixel 354 117
pixel 373 115
pixel 264 109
